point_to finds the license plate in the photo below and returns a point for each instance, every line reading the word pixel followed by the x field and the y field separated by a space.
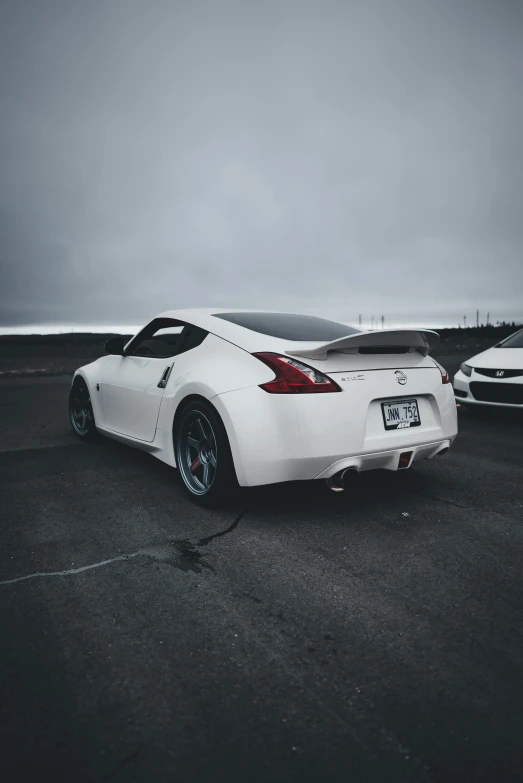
pixel 400 414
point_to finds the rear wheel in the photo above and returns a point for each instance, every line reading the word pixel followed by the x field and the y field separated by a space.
pixel 203 454
pixel 81 411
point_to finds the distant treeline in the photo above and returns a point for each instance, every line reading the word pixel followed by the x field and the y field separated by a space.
pixel 68 338
pixel 490 332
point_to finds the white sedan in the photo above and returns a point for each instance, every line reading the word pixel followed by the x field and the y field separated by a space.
pixel 250 398
pixel 493 377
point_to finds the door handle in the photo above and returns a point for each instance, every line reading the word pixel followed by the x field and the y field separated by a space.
pixel 162 383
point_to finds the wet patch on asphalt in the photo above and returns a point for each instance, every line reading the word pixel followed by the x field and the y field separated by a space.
pixel 178 553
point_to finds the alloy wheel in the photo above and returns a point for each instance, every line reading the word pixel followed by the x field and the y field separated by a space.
pixel 80 410
pixel 197 452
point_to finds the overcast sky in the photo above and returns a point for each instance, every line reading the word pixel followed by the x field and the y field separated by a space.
pixel 335 157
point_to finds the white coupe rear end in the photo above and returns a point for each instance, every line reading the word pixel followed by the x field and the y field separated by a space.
pixel 394 406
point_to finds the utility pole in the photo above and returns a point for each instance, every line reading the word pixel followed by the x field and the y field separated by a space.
pixel 464 321
pixel 382 321
pixel 488 318
pixel 359 318
pixel 477 318
pixel 372 323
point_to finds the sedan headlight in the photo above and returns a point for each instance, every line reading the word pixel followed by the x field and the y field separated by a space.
pixel 466 369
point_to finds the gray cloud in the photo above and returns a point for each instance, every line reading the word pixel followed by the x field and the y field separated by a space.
pixel 336 157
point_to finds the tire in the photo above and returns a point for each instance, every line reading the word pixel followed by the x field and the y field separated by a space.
pixel 81 413
pixel 203 455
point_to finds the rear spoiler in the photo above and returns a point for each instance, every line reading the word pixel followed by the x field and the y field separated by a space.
pixel 420 340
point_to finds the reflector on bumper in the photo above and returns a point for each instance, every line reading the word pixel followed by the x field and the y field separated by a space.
pixel 404 460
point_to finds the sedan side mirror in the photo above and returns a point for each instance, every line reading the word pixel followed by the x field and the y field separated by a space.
pixel 115 346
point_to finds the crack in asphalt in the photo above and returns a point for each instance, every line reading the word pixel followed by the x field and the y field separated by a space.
pixel 183 554
pixel 124 762
pixel 68 571
pixel 442 500
pixel 208 539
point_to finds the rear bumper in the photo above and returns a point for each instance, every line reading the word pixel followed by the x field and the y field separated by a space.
pixel 385 460
pixel 277 438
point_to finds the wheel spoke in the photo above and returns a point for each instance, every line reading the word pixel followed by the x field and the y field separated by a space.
pixel 195 444
pixel 212 460
pixel 201 429
pixel 206 471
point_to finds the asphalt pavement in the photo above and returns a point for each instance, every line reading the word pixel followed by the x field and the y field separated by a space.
pixel 299 635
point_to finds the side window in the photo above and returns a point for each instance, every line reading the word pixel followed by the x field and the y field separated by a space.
pixel 160 339
pixel 192 337
pixel 165 337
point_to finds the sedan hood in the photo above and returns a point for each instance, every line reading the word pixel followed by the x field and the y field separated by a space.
pixel 498 359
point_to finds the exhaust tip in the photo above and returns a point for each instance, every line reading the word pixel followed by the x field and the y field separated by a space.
pixel 346 479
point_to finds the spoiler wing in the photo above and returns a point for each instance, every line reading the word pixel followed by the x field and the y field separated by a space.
pixel 421 340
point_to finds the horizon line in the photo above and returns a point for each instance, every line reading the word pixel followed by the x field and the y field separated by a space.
pixel 367 325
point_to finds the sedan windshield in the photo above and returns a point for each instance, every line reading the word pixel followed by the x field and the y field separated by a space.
pixel 516 341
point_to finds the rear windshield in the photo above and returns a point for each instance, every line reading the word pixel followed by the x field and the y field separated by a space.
pixel 290 327
pixel 516 341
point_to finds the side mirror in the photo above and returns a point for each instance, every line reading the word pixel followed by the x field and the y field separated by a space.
pixel 115 346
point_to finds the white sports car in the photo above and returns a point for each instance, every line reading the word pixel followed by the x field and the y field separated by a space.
pixel 249 398
pixel 493 377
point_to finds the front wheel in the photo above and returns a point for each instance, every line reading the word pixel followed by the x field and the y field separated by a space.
pixel 81 413
pixel 203 454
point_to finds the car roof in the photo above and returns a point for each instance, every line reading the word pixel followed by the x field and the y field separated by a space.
pixel 241 336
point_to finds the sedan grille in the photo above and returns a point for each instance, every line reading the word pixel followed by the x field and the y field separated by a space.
pixel 510 393
pixel 499 373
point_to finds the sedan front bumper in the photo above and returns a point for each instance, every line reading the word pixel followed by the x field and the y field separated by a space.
pixel 464 385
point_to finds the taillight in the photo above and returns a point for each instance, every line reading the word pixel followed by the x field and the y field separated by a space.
pixel 445 378
pixel 293 377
